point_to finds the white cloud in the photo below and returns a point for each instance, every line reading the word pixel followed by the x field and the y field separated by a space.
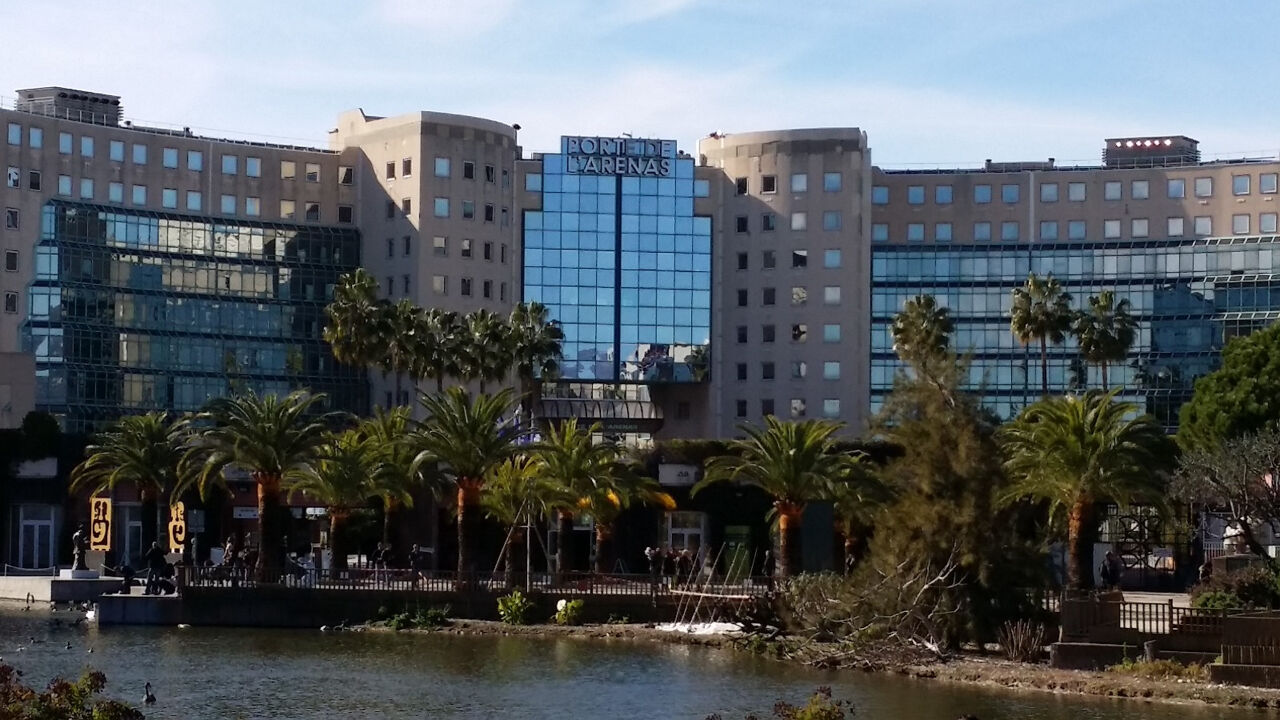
pixel 453 19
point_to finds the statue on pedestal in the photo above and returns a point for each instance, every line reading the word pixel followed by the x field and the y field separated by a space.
pixel 79 544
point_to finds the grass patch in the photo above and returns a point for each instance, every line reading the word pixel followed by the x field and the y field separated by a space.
pixel 1160 670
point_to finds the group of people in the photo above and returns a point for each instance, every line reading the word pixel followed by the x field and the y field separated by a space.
pixel 671 563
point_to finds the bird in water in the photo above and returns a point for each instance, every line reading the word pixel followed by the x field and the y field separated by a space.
pixel 148 698
pixel 68 646
pixel 90 651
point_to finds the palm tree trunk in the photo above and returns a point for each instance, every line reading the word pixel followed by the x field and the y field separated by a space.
pixel 468 515
pixel 1044 365
pixel 150 518
pixel 390 511
pixel 514 562
pixel 337 519
pixel 1104 376
pixel 269 551
pixel 1080 544
pixel 788 538
pixel 604 548
pixel 564 531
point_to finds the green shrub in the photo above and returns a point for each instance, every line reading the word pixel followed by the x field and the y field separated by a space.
pixel 1160 670
pixel 1217 600
pixel 618 619
pixel 1255 587
pixel 569 612
pixel 514 608
pixel 432 617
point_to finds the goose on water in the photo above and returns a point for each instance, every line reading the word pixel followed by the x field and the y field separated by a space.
pixel 148 698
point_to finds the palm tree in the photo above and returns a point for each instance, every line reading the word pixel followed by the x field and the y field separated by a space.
pixel 389 431
pixel 358 327
pixel 794 462
pixel 1041 311
pixel 570 457
pixel 442 345
pixel 465 439
pixel 1075 451
pixel 485 354
pixel 514 493
pixel 605 504
pixel 1105 332
pixel 275 440
pixel 536 349
pixel 922 332
pixel 138 450
pixel 856 498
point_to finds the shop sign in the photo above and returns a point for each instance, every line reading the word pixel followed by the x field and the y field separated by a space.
pixel 585 155
pixel 674 475
pixel 100 523
pixel 177 526
pixel 245 513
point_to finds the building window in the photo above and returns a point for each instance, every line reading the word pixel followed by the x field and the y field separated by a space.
pixel 11 302
pixel 11 260
pixel 230 164
pixel 742 334
pixel 391 209
pixel 195 161
pixel 1267 223
pixel 502 288
pixel 799 333
pixel 313 172
pixel 406 167
pixel 1075 192
pixel 1075 230
pixel 831 370
pixel 35 138
pixel 740 408
pixel 15 134
pixel 468 210
pixel 1048 230
pixel 768 222
pixel 740 223
pixel 442 171
pixel 799 182
pixel 831 333
pixel 33 180
pixel 115 192
pixel 915 232
pixel 13 178
pixel 1177 188
pixel 391 247
pixel 468 170
pixel 832 182
pixel 797 408
pixel 391 170
pixel 1010 193
pixel 1009 230
pixel 1048 192
pixel 915 194
pixel 741 369
pixel 490 174
pixel 1239 184
pixel 1139 228
pixel 1175 227
pixel 740 185
pixel 879 195
pixel 505 218
pixel 440 246
pixel 288 209
pixel 768 334
pixel 942 232
pixel 831 220
pixel 487 250
pixel 64 143
pixel 768 259
pixel 464 287
pixel 982 231
pixel 253 167
pixel 228 205
pixel 502 253
pixel 1204 187
pixel 311 212
pixel 404 280
pixel 1240 224
pixel 766 371
pixel 831 295
pixel 766 406
pixel 1112 190
pixel 701 188
pixel 64 185
pixel 465 250
pixel 288 170
pixel 799 369
pixel 86 146
pixel 441 208
pixel 195 202
pixel 942 194
pixel 140 195
pixel 346 175
pixel 831 258
pixel 769 184
pixel 879 232
pixel 1140 189
pixel 346 214
pixel 1203 225
pixel 439 285
pixel 742 260
pixel 799 221
pixel 252 206
pixel 982 194
pixel 769 296
pixel 1110 229
pixel 115 150
pixel 11 219
pixel 169 158
pixel 799 295
pixel 169 197
pixel 406 205
pixel 406 245
pixel 831 408
pixel 1267 183
pixel 799 258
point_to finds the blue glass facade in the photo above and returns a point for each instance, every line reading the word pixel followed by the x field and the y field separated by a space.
pixel 624 266
pixel 1189 296
pixel 132 311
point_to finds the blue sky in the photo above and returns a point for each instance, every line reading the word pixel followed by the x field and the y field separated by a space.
pixel 931 81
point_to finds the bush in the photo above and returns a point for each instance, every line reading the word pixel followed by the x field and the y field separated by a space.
pixel 514 608
pixel 1022 641
pixel 1217 600
pixel 432 617
pixel 821 706
pixel 569 612
pixel 618 619
pixel 61 699
pixel 1253 587
pixel 1161 670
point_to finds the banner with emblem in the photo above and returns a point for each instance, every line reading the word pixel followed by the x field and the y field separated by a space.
pixel 100 523
pixel 177 527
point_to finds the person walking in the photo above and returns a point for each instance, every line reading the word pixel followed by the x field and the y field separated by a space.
pixel 157 567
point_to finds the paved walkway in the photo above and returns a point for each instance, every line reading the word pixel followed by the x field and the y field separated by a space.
pixel 1181 600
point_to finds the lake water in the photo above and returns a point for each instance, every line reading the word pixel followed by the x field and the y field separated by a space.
pixel 201 673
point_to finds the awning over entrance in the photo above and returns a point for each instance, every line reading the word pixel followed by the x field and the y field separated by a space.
pixel 613 415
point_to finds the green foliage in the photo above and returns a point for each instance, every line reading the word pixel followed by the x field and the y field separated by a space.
pixel 1241 397
pixel 618 619
pixel 40 434
pixel 1022 640
pixel 61 700
pixel 1161 670
pixel 1251 587
pixel 1105 331
pixel 1041 312
pixel 921 334
pixel 347 471
pixel 1217 600
pixel 514 609
pixel 418 618
pixel 465 437
pixel 821 706
pixel 569 612
pixel 138 450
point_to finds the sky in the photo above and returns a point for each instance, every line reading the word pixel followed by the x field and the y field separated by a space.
pixel 932 82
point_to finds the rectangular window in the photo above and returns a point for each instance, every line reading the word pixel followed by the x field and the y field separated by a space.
pixel 439 285
pixel 768 334
pixel 35 137
pixel 487 250
pixel 441 207
pixel 1009 230
pixel 1075 230
pixel 1048 192
pixel 346 214
pixel 1048 230
pixel 769 184
pixel 799 258
pixel 768 222
pixel 799 295
pixel 1267 223
pixel 1175 227
pixel 443 167
pixel 799 221
pixel 1177 188
pixel 195 201
pixel 406 167
pixel 1010 193
pixel 346 175
pixel 502 253
pixel 11 260
pixel 768 297
pixel 831 370
pixel 464 287
pixel 915 232
pixel 406 205
pixel 139 154
pixel 486 289
pixel 942 194
pixel 766 371
pixel 1139 228
pixel 227 205
pixel 799 333
pixel 253 167
pixel 64 185
pixel 798 408
pixel 701 188
pixel 502 287
pixel 880 232
pixel 33 180
pixel 440 246
pixel 1204 187
pixel 311 212
pixel 252 206
pixel 115 150
pixel 768 259
pixel 831 258
pixel 1110 229
pixel 831 408
pixel 831 182
pixel 879 195
pixel 1240 184
pixel 1240 223
pixel 391 170
pixel 169 158
pixel 1112 190
pixel 64 143
pixel 1203 225
pixel 740 185
pixel 766 406
pixel 15 134
pixel 288 170
pixel 13 178
pixel 468 209
pixel 742 260
pixel 799 182
pixel 11 219
pixel 406 245
pixel 86 146
pixel 799 369
pixel 391 209
pixel 831 295
pixel 288 209
pixel 404 284
pixel 742 334
pixel 195 161
pixel 1267 183
pixel 490 174
pixel 468 170
pixel 466 247
pixel 982 194
pixel 742 371
pixel 915 194
pixel 115 192
pixel 230 164
pixel 169 198
pixel 313 172
pixel 740 408
pixel 982 231
pixel 1075 192
pixel 488 212
pixel 11 302
pixel 942 232
pixel 1140 189
pixel 831 220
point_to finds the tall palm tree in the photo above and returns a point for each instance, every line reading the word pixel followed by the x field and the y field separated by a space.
pixel 465 439
pixel 358 326
pixel 536 350
pixel 794 462
pixel 440 352
pixel 921 332
pixel 276 440
pixel 389 431
pixel 138 450
pixel 486 351
pixel 515 493
pixel 1076 451
pixel 1041 312
pixel 570 456
pixel 1105 331
pixel 605 504
pixel 405 342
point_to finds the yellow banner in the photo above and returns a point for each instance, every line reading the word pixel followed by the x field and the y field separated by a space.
pixel 177 527
pixel 100 523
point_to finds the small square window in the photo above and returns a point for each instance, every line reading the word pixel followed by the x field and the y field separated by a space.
pixel 228 205
pixel 391 170
pixel 288 170
pixel 1267 183
pixel 799 258
pixel 439 285
pixel 769 184
pixel 799 369
pixel 1203 225
pixel 1075 192
pixel 169 197
pixel 831 333
pixel 253 167
pixel 741 223
pixel 942 232
pixel 115 192
pixel 169 158
pixel 468 170
pixel 768 259
pixel 1110 229
pixel 798 408
pixel 195 201
pixel 1240 224
pixel 313 172
pixel 1240 184
pixel 982 231
pixel 799 295
pixel 139 194
pixel 464 287
pixel 1112 190
pixel 115 150
pixel 742 333
pixel 441 207
pixel 288 209
pixel 1139 228
pixel 406 167
pixel 1010 193
pixel 1009 230
pixel 346 214
pixel 230 164
pixel 799 182
pixel 1075 230
pixel 1048 230
pixel 766 406
pixel 915 232
pixel 11 260
pixel 1177 188
pixel 740 185
pixel 768 222
pixel 740 408
pixel 831 295
pixel 195 160
pixel 831 258
pixel 768 334
pixel 942 194
pixel 1204 187
pixel 742 260
pixel 880 195
pixel 741 370
pixel 982 194
pixel 701 188
pixel 443 167
pixel 831 220
pixel 1140 189
pixel 831 370
pixel 766 371
pixel 831 408
pixel 311 212
pixel 769 296
pixel 1175 227
pixel 440 246
pixel 831 182
pixel 1048 192
pixel 799 333
pixel 915 194
pixel 406 205
pixel 1267 223
pixel 799 221
pixel 880 232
